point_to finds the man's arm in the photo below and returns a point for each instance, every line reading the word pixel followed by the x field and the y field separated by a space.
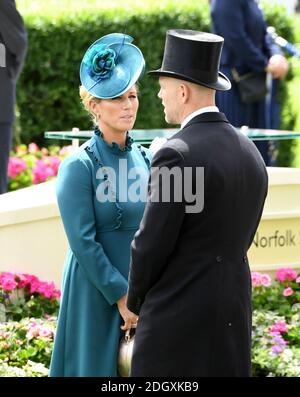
pixel 156 238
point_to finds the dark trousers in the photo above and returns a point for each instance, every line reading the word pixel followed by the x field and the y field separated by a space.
pixel 6 132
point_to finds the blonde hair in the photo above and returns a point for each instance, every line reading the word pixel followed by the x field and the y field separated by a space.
pixel 86 99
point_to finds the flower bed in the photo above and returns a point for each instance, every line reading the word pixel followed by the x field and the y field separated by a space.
pixel 27 343
pixel 28 316
pixel 24 295
pixel 276 324
pixel 30 165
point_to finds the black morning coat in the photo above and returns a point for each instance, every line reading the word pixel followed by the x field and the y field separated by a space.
pixel 189 279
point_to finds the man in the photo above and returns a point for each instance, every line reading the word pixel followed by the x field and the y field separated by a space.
pixel 189 280
pixel 13 44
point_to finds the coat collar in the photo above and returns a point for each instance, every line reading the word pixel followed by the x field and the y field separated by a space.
pixel 207 117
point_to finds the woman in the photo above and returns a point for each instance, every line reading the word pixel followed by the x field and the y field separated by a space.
pixel 101 209
pixel 247 48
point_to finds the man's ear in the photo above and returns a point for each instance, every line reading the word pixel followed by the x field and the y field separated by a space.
pixel 184 92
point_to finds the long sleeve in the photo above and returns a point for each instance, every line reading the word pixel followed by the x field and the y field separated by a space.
pixel 271 46
pixel 156 238
pixel 75 201
pixel 229 20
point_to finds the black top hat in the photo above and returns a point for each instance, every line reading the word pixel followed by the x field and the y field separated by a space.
pixel 195 57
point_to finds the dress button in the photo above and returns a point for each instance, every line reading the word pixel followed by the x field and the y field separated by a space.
pixel 219 258
pixel 245 259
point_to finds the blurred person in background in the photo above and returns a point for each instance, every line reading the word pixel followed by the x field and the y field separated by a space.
pixel 248 48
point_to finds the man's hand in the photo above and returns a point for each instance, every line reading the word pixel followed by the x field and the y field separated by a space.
pixel 278 66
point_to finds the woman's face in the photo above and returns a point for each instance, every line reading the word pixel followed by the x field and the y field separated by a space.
pixel 117 114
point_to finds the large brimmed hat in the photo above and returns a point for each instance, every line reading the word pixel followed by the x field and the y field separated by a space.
pixel 193 56
pixel 111 65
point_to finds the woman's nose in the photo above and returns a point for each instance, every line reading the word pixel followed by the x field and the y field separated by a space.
pixel 127 103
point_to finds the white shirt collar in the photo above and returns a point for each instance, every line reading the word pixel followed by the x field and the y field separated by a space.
pixel 207 109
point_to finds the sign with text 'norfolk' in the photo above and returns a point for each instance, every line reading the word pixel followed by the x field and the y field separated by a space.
pixel 277 241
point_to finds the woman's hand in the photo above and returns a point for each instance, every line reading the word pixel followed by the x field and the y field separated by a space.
pixel 129 318
pixel 278 66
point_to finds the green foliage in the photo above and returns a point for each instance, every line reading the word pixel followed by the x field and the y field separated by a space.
pixel 32 165
pixel 29 340
pixel 31 369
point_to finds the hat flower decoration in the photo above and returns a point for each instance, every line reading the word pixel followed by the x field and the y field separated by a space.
pixel 100 61
pixel 111 66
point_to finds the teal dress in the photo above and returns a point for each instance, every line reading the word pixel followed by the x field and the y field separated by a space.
pixel 99 232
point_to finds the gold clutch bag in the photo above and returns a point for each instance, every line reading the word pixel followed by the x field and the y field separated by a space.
pixel 125 352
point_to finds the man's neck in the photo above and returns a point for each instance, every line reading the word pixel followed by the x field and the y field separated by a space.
pixel 210 108
pixel 191 109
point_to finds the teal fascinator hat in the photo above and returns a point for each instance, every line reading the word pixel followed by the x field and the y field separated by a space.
pixel 111 65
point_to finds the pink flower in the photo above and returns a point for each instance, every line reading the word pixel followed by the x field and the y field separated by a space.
pixel 32 333
pixel 279 326
pixel 298 279
pixel 276 349
pixel 33 148
pixel 54 163
pixel 25 280
pixel 259 279
pixel 9 285
pixel 288 291
pixel 265 280
pixel 45 332
pixel 48 290
pixel 35 330
pixel 10 281
pixel 34 286
pixel 56 294
pixel 287 273
pixel 15 166
pixel 45 168
pixel 7 281
pixel 256 280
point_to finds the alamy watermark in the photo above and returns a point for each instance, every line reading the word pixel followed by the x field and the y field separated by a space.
pixel 166 185
pixel 2 56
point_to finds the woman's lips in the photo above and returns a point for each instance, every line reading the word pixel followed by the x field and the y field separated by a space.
pixel 127 117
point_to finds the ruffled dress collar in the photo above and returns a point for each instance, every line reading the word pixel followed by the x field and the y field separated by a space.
pixel 114 147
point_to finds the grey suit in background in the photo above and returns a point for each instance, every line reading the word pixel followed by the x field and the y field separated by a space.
pixel 13 37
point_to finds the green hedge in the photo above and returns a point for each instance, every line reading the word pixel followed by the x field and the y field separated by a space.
pixel 47 95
